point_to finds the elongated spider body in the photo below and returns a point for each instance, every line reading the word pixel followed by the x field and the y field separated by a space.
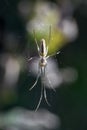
pixel 43 50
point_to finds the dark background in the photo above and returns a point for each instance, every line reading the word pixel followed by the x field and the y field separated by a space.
pixel 70 101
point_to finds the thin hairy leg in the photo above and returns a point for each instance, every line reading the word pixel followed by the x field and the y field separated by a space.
pixel 53 55
pixel 41 96
pixel 49 82
pixel 35 80
pixel 49 38
pixel 32 58
pixel 45 96
pixel 36 40
pixel 43 85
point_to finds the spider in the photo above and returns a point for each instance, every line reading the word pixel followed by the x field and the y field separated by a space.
pixel 42 51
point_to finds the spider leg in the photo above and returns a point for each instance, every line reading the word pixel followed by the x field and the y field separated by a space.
pixel 50 84
pixel 53 55
pixel 35 81
pixel 32 58
pixel 41 96
pixel 49 38
pixel 36 40
pixel 45 96
pixel 43 85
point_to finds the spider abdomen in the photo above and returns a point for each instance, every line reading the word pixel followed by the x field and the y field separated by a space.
pixel 43 48
pixel 43 62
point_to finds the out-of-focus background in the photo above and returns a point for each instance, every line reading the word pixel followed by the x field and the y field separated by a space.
pixel 63 24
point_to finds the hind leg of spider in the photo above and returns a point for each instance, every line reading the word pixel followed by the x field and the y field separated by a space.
pixel 41 96
pixel 35 81
pixel 49 82
pixel 50 85
pixel 43 85
pixel 45 96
